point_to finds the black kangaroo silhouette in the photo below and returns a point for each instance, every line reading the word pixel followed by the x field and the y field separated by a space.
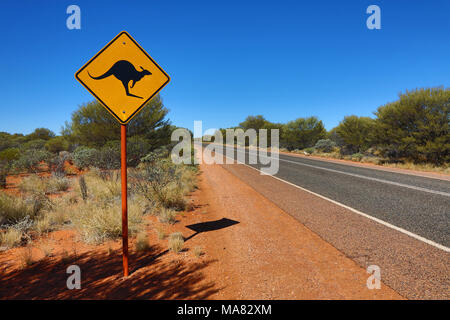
pixel 125 72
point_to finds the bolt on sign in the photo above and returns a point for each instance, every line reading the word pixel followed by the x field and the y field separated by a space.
pixel 122 77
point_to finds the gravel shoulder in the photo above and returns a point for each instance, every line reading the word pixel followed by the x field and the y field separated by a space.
pixel 270 255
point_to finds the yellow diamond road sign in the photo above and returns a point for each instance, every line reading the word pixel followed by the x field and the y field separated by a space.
pixel 123 77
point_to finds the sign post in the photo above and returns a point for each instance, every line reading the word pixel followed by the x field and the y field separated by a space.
pixel 123 78
pixel 123 165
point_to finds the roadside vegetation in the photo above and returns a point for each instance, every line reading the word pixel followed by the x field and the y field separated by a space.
pixel 73 181
pixel 411 133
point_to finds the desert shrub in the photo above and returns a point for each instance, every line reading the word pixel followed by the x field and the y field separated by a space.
pixel 176 242
pixel 4 169
pixel 36 144
pixel 57 164
pixel 162 182
pixel 152 178
pixel 10 154
pixel 325 145
pixel 3 176
pixel 174 197
pixel 309 150
pixel 357 156
pixel 137 147
pixel 142 243
pixel 11 237
pixel 188 178
pixel 108 157
pixel 31 158
pixel 84 157
pixel 167 216
pixel 57 183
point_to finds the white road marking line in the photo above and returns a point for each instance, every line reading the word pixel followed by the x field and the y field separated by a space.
pixel 441 193
pixel 387 224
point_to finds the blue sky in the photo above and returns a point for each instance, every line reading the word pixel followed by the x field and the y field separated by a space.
pixel 227 59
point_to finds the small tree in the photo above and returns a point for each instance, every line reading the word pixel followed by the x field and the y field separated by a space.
pixel 356 133
pixel 57 144
pixel 416 127
pixel 41 133
pixel 302 133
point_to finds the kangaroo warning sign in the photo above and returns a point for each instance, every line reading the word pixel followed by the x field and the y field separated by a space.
pixel 123 77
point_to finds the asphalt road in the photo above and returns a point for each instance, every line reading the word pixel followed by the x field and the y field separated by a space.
pixel 414 260
pixel 417 204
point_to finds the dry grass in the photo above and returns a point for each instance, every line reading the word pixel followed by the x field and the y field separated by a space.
pixel 419 167
pixel 33 184
pixel 11 238
pixel 26 256
pixel 98 217
pixel 161 233
pixel 198 251
pixel 176 242
pixel 46 248
pixel 167 216
pixel 43 225
pixel 444 169
pixel 142 242
pixel 99 221
pixel 52 220
pixel 15 209
pixel 101 189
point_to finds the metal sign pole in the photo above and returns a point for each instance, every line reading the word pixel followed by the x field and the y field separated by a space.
pixel 123 162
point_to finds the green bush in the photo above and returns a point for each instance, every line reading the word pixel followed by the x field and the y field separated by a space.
pixel 57 144
pixel 37 144
pixel 357 156
pixel 108 158
pixel 10 154
pixel 84 157
pixel 137 147
pixel 325 145
pixel 31 158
